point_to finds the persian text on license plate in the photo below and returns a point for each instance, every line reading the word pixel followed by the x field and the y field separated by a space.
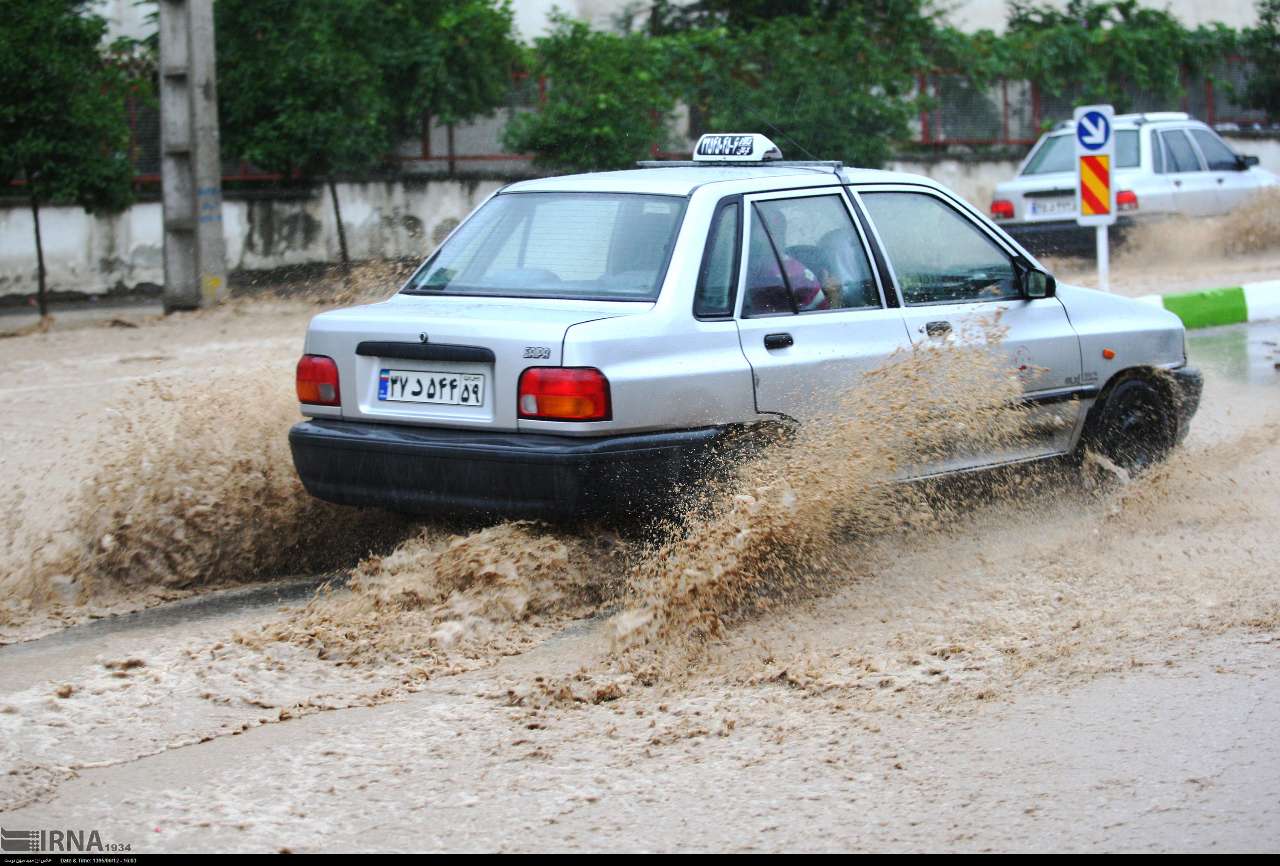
pixel 1064 206
pixel 430 386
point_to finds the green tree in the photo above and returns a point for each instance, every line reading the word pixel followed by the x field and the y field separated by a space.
pixel 299 90
pixel 1106 51
pixel 837 83
pixel 327 87
pixel 608 100
pixel 450 60
pixel 63 131
pixel 829 79
pixel 670 16
pixel 1262 47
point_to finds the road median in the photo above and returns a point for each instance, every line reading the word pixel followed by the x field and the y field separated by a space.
pixel 1250 302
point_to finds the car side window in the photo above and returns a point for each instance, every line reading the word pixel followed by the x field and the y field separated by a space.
pixel 938 254
pixel 1216 153
pixel 714 296
pixel 817 253
pixel 1180 156
pixel 1157 155
pixel 767 290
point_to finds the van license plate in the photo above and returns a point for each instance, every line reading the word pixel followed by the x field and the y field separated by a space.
pixel 430 386
pixel 1064 206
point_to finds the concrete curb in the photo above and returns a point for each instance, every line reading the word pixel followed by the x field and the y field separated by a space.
pixel 1251 302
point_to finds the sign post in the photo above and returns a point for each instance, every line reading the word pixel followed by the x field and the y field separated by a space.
pixel 1095 189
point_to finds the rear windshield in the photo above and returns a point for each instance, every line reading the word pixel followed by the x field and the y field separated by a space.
pixel 601 246
pixel 1058 153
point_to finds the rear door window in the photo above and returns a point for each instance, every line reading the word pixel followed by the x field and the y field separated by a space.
pixel 806 256
pixel 1180 156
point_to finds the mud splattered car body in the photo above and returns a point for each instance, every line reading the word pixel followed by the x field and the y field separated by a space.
pixel 584 342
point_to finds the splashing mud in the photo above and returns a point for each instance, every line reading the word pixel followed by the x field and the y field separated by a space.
pixel 1254 227
pixel 777 524
pixel 193 487
pixel 474 595
pixel 764 531
pixel 328 285
pixel 768 530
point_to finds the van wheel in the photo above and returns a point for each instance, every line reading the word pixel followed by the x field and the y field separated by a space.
pixel 1135 427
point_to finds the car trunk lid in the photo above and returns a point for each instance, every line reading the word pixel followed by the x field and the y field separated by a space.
pixel 446 361
pixel 1046 197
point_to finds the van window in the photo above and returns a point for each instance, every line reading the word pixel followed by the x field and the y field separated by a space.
pixel 1057 153
pixel 1179 155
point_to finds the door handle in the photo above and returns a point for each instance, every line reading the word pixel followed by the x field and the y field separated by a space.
pixel 778 341
pixel 1177 183
pixel 937 329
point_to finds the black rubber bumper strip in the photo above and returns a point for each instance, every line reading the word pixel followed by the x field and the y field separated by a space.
pixel 438 470
pixel 425 351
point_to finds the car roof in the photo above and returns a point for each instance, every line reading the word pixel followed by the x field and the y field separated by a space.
pixel 1136 121
pixel 684 179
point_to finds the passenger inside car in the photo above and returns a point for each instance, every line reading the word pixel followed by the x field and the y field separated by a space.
pixel 821 255
pixel 767 289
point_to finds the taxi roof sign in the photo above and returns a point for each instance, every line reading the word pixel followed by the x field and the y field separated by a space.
pixel 735 147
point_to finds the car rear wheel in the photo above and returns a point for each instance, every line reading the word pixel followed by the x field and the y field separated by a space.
pixel 1136 426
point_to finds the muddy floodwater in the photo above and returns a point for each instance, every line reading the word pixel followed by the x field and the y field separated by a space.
pixel 199 657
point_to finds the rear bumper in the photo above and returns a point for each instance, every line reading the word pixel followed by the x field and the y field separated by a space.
pixel 436 470
pixel 1190 384
pixel 1063 237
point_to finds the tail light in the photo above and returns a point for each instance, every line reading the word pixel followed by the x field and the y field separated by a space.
pixel 318 381
pixel 1002 209
pixel 1126 199
pixel 564 394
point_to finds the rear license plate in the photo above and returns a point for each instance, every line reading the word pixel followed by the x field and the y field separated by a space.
pixel 1064 206
pixel 430 386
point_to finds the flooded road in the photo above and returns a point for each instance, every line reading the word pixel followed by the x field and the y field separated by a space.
pixel 1058 668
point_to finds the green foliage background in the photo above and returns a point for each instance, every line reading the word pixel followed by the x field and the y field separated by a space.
pixel 328 86
pixel 63 131
pixel 837 79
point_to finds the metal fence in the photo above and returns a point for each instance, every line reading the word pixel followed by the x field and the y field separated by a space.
pixel 1006 113
pixel 144 148
pixel 1015 112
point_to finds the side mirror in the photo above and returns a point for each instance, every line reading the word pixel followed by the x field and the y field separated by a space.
pixel 1036 283
pixel 1244 163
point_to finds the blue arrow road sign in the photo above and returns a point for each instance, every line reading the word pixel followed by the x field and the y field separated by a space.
pixel 1093 130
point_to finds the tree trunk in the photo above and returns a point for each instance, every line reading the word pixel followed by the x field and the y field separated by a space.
pixel 41 298
pixel 342 233
pixel 453 159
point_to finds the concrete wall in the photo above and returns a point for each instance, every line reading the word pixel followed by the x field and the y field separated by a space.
pixel 92 255
pixel 974 180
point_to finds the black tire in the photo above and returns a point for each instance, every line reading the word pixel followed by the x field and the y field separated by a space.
pixel 1135 427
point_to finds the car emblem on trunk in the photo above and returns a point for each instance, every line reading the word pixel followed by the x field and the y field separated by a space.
pixel 422 338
